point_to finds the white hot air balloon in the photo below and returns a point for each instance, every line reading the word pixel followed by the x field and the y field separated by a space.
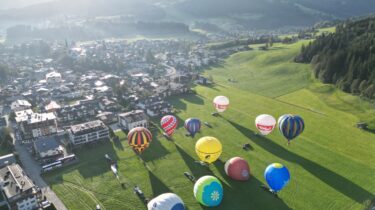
pixel 166 201
pixel 265 124
pixel 221 103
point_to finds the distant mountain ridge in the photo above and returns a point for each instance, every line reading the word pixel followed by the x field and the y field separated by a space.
pixel 247 14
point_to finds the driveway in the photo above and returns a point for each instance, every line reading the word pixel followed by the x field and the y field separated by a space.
pixel 32 169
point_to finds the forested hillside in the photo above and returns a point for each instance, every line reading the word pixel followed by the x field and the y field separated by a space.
pixel 345 58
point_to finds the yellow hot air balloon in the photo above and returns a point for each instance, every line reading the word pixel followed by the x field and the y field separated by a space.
pixel 208 149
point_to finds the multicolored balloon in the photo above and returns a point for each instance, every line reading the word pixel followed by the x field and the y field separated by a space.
pixel 208 149
pixel 166 201
pixel 265 124
pixel 139 139
pixel 277 176
pixel 208 191
pixel 169 124
pixel 193 125
pixel 221 103
pixel 238 169
pixel 291 126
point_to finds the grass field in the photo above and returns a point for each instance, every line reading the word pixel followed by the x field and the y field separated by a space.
pixel 332 163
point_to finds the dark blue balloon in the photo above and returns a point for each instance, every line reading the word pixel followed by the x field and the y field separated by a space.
pixel 277 176
pixel 193 125
pixel 291 126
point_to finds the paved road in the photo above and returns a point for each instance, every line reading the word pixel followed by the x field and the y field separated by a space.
pixel 32 169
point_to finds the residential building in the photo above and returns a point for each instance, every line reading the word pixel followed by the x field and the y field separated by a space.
pixel 77 112
pixel 107 117
pixel 7 160
pixel 37 124
pixel 130 120
pixel 53 77
pixel 17 188
pixel 52 106
pixel 48 147
pixel 158 108
pixel 88 132
pixel 20 105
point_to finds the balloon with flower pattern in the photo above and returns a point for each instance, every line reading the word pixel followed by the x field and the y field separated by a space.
pixel 208 191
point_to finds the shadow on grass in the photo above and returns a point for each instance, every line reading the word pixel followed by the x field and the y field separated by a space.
pixel 158 186
pixel 155 151
pixel 329 177
pixel 194 99
pixel 117 143
pixel 95 163
pixel 195 168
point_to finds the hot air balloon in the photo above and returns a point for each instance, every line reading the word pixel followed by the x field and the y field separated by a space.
pixel 265 124
pixel 166 201
pixel 277 176
pixel 208 191
pixel 282 117
pixel 169 124
pixel 208 149
pixel 139 139
pixel 221 103
pixel 193 125
pixel 237 169
pixel 291 126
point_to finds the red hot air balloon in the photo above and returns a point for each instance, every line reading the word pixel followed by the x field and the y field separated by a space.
pixel 237 169
pixel 169 124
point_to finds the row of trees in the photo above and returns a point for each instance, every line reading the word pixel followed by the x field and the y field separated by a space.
pixel 345 58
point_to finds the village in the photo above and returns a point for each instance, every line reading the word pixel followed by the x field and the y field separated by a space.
pixel 54 107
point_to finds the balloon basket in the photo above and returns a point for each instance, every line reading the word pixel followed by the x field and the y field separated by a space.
pixel 202 163
pixel 267 189
pixel 215 114
pixel 190 177
pixel 167 136
pixel 140 195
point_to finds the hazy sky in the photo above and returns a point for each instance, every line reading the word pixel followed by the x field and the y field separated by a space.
pixel 6 4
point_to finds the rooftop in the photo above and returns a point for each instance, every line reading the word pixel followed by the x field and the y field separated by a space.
pixel 46 144
pixel 133 116
pixel 87 127
pixel 36 117
pixel 15 180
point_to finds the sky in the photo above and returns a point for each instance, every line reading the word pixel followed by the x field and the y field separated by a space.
pixel 7 4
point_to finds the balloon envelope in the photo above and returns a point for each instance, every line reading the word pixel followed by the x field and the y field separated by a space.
pixel 291 126
pixel 169 124
pixel 237 169
pixel 139 138
pixel 208 149
pixel 265 123
pixel 166 201
pixel 277 176
pixel 221 103
pixel 208 191
pixel 193 125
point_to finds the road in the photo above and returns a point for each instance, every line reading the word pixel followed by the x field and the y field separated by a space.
pixel 32 169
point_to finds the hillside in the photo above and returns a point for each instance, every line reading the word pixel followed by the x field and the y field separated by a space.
pixel 330 163
pixel 345 58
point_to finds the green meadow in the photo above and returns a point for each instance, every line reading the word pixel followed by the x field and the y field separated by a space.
pixel 332 163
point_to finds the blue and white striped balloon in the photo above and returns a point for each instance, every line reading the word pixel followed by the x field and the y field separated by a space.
pixel 291 126
pixel 166 201
pixel 193 125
